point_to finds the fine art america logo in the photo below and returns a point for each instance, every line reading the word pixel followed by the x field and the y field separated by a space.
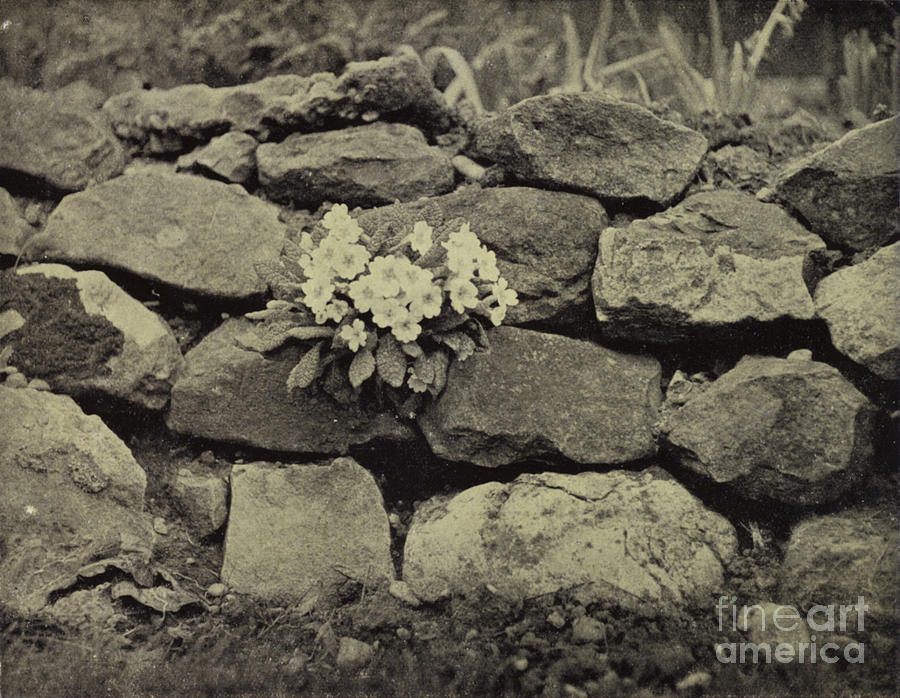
pixel 783 634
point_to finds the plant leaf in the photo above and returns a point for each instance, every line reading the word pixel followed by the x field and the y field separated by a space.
pixel 461 344
pixel 361 368
pixel 311 332
pixel 266 336
pixel 445 323
pixel 306 370
pixel 440 362
pixel 336 383
pixel 391 361
pixel 266 314
pixel 424 370
pixel 411 349
pixel 481 338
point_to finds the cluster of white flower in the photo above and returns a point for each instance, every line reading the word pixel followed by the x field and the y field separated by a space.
pixel 344 285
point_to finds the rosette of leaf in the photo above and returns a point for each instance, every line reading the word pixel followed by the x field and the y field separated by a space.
pixel 393 320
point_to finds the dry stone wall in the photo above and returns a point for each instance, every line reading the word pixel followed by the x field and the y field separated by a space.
pixel 580 380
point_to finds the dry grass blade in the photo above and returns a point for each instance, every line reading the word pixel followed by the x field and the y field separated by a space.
pixel 629 64
pixel 429 20
pixel 776 18
pixel 688 81
pixel 734 99
pixel 464 75
pixel 597 50
pixel 719 56
pixel 572 80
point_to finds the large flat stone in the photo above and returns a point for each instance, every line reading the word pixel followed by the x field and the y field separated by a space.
pixel 849 191
pixel 625 536
pixel 592 143
pixel 72 494
pixel 83 334
pixel 174 120
pixel 792 431
pixel 837 558
pixel 718 262
pixel 545 243
pixel 297 532
pixel 230 393
pixel 185 231
pixel 55 141
pixel 535 396
pixel 860 304
pixel 359 166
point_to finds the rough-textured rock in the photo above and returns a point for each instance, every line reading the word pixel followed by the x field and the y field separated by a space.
pixel 360 166
pixel 848 191
pixel 593 143
pixel 231 157
pixel 13 227
pixel 353 654
pixel 627 536
pixel 328 54
pixel 202 498
pixel 837 558
pixel 545 243
pixel 296 532
pixel 84 334
pixel 534 396
pixel 776 429
pixel 739 167
pixel 773 623
pixel 72 494
pixel 56 142
pixel 230 393
pixel 717 261
pixel 167 121
pixel 860 304
pixel 186 231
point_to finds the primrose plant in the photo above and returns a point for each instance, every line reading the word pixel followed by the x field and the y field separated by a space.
pixel 395 319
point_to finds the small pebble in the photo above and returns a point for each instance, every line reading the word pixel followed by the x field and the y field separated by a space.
pixel 679 388
pixel 296 664
pixel 471 634
pixel 38 384
pixel 16 380
pixel 521 664
pixel 400 590
pixel 33 213
pixel 587 629
pixel 394 520
pixel 695 681
pixel 800 355
pixel 403 633
pixel 207 458
pixel 766 194
pixel 556 620
pixel 160 526
pixel 574 691
pixel 215 590
pixel 353 654
pixel 190 560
